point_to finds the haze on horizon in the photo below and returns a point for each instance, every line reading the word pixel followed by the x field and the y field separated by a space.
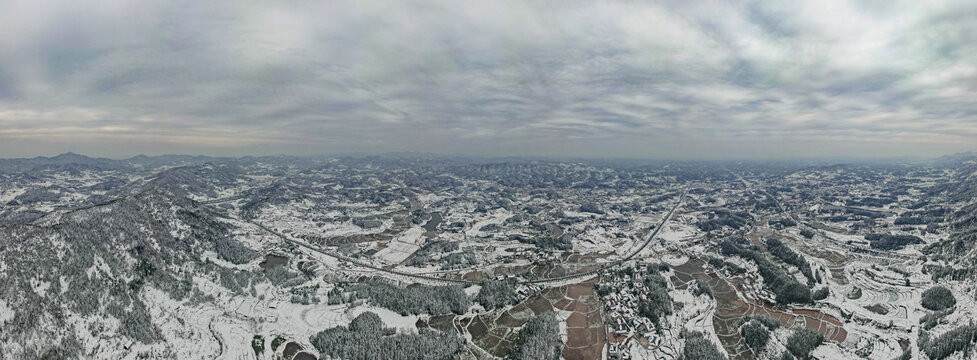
pixel 669 79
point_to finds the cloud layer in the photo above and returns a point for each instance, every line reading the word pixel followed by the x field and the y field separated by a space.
pixel 632 79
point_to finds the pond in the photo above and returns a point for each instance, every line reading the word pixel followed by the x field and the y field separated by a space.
pixel 291 349
pixel 272 260
pixel 304 356
pixel 432 224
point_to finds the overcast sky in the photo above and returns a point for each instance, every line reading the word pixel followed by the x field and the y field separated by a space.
pixel 682 79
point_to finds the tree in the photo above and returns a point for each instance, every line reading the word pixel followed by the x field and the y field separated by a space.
pixel 334 296
pixel 821 294
pixel 538 339
pixel 495 294
pixel 803 341
pixel 938 298
pixel 943 346
pixel 234 251
pixel 367 321
pixel 414 299
pixel 756 335
pixel 787 289
pixel 366 338
pixel 659 302
pixel 783 252
pixel 702 287
pixel 698 347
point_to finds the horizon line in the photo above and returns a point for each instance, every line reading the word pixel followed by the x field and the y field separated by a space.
pixel 499 157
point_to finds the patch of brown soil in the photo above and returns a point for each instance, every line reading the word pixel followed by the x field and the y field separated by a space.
pixel 563 304
pixel 576 290
pixel 540 305
pixel 587 344
pixel 577 320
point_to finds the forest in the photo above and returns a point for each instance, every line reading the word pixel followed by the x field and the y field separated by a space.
pixel 495 294
pixel 891 242
pixel 539 339
pixel 755 331
pixel 784 253
pixel 783 285
pixel 698 347
pixel 366 338
pixel 414 299
pixel 944 345
pixel 659 302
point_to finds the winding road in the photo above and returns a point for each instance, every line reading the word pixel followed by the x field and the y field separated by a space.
pixel 462 281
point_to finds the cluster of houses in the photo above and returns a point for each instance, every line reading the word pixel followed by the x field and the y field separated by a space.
pixel 619 350
pixel 524 290
pixel 538 256
pixel 754 289
pixel 624 293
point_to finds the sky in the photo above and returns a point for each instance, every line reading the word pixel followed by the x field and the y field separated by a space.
pixel 625 79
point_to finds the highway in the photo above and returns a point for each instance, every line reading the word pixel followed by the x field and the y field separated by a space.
pixel 358 263
pixel 651 237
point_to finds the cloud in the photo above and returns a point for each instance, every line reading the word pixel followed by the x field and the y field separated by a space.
pixel 580 78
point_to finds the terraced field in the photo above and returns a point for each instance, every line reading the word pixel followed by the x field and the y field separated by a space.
pixel 730 308
pixel 494 332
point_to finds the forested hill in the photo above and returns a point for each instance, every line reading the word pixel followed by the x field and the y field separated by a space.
pixel 960 193
pixel 81 272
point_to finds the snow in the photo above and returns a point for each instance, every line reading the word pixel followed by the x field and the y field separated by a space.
pixel 402 247
pixel 6 313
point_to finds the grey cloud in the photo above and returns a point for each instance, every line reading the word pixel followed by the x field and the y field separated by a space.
pixel 688 79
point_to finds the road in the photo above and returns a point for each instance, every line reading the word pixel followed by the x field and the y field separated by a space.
pixel 354 261
pixel 651 237
pixel 461 281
